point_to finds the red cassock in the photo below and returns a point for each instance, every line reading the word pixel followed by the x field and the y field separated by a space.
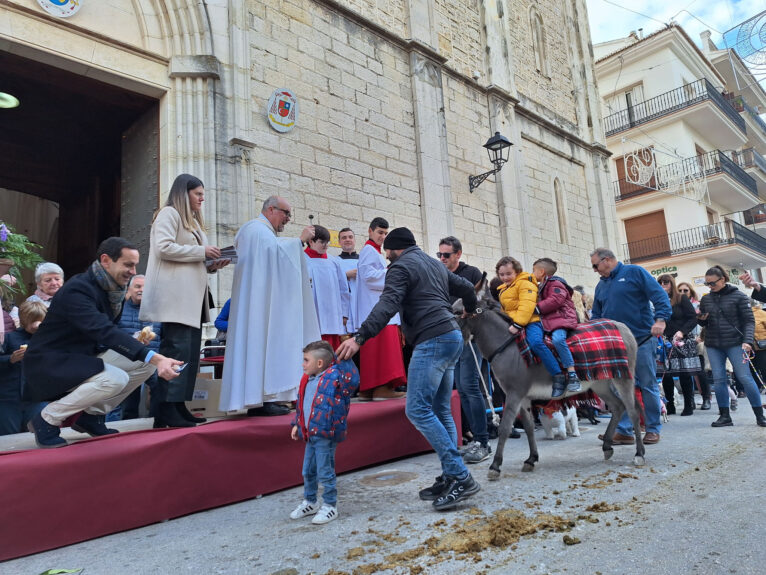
pixel 381 360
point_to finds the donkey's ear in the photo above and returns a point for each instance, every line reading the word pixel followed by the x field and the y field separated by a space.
pixel 480 285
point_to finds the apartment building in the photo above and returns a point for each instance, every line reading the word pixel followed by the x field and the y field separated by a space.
pixel 687 143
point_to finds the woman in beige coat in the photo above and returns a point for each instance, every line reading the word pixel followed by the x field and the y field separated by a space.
pixel 176 292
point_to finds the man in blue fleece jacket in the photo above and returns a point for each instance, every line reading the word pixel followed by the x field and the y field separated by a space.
pixel 629 294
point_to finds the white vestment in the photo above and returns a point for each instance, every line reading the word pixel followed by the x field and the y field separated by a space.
pixel 331 296
pixel 346 265
pixel 370 280
pixel 271 319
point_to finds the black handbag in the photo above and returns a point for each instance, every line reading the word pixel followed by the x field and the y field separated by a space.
pixel 760 344
pixel 683 358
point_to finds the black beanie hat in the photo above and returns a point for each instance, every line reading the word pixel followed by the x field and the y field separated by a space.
pixel 399 239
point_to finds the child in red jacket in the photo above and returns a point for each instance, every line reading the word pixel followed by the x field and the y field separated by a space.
pixel 324 398
pixel 557 315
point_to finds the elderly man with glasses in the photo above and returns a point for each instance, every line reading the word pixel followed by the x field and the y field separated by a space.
pixel 271 316
pixel 629 294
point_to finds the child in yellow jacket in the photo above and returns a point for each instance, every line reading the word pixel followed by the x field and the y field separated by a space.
pixel 518 296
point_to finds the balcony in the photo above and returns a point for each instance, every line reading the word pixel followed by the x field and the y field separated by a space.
pixel 727 242
pixel 698 104
pixel 756 125
pixel 755 165
pixel 729 185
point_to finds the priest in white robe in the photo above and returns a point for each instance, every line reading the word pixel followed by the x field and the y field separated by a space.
pixel 330 287
pixel 271 317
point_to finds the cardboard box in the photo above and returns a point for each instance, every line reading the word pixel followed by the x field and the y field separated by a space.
pixel 207 394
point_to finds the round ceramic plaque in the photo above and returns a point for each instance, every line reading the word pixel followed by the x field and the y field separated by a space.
pixel 282 110
pixel 60 8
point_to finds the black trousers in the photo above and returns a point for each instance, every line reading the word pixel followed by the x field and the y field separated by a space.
pixel 687 388
pixel 180 342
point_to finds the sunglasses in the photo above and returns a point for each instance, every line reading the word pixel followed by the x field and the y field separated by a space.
pixel 595 266
pixel 711 284
pixel 684 291
pixel 665 282
pixel 444 255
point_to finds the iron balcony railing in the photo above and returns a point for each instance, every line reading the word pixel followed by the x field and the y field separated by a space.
pixel 750 158
pixel 669 102
pixel 705 165
pixel 721 234
pixel 756 117
pixel 755 215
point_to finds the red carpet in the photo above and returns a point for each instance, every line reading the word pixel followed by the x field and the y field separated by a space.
pixel 52 498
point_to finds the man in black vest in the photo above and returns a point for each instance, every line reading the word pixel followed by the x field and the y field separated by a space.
pixel 79 358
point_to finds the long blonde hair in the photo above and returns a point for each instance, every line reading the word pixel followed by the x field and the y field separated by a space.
pixel 178 198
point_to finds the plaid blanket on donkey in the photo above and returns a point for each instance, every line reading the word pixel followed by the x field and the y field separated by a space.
pixel 597 348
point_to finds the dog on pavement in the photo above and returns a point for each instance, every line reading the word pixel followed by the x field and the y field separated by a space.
pixel 561 423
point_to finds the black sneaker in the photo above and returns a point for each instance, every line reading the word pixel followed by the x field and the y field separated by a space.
pixel 431 493
pixel 46 435
pixel 457 490
pixel 559 385
pixel 573 383
pixel 93 425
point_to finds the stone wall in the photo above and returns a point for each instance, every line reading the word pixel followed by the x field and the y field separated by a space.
pixel 352 155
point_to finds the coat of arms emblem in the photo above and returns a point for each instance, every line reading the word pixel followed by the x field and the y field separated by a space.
pixel 282 110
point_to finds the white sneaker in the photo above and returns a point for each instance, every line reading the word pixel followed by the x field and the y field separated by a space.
pixel 463 449
pixel 325 515
pixel 304 509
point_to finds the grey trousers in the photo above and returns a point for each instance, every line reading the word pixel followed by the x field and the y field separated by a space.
pixel 101 393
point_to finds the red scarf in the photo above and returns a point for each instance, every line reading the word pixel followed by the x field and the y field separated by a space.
pixel 373 244
pixel 314 254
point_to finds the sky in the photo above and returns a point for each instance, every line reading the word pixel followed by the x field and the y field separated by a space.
pixel 608 21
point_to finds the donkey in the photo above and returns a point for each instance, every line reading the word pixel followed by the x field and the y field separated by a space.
pixel 523 384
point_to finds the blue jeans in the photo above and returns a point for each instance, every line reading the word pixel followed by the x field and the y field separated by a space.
pixel 429 389
pixel 319 465
pixel 535 336
pixel 15 414
pixel 471 398
pixel 646 380
pixel 717 358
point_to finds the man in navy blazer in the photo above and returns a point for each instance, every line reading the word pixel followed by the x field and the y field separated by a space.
pixel 79 359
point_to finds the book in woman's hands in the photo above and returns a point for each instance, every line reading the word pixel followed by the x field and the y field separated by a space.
pixel 227 253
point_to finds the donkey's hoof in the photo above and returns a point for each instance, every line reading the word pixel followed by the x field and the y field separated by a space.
pixel 638 461
pixel 528 467
pixel 608 454
pixel 493 474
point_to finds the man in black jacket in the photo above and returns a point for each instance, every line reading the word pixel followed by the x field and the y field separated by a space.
pixel 466 369
pixel 66 361
pixel 419 288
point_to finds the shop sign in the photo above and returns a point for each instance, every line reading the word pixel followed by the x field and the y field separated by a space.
pixel 282 110
pixel 60 8
pixel 664 270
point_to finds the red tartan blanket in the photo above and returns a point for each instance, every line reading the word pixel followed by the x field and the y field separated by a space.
pixel 597 348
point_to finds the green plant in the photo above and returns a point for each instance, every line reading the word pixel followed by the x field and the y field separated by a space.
pixel 22 254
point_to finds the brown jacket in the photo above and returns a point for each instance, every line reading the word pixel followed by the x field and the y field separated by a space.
pixel 760 324
pixel 176 277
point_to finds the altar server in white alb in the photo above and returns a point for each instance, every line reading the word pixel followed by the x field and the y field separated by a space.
pixel 382 364
pixel 272 316
pixel 330 287
pixel 348 260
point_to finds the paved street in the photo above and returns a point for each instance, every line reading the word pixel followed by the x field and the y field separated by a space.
pixel 696 507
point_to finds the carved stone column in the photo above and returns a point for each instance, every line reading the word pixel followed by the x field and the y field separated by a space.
pixel 431 142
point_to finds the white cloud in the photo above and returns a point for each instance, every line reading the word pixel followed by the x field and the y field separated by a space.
pixel 608 22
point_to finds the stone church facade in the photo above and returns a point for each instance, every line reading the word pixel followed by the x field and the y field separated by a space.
pixel 396 99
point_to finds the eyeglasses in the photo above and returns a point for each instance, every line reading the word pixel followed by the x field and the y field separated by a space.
pixel 288 213
pixel 444 255
pixel 595 266
pixel 711 284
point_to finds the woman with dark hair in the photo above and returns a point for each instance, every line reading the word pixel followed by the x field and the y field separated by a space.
pixel 725 313
pixel 677 330
pixel 176 292
pixel 685 288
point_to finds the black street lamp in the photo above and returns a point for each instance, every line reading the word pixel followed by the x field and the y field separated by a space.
pixel 496 148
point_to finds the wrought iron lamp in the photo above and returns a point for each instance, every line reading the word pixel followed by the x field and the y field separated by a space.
pixel 499 149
